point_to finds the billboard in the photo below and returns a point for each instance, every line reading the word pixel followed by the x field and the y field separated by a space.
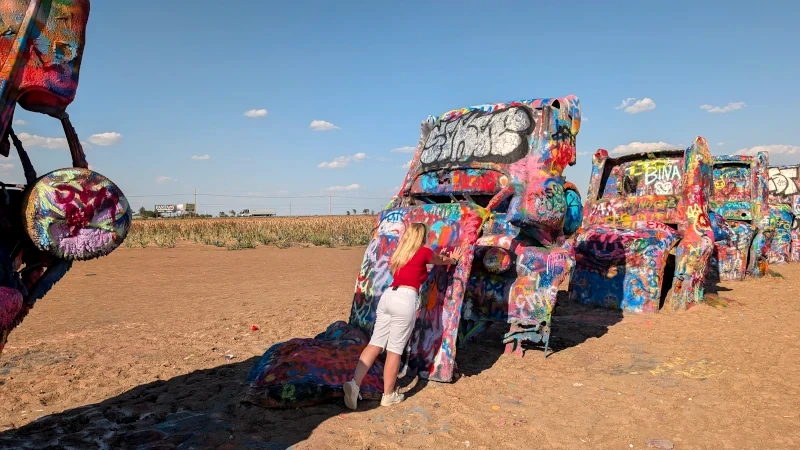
pixel 163 209
pixel 190 207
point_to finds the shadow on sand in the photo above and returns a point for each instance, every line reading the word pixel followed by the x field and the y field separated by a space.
pixel 573 323
pixel 203 409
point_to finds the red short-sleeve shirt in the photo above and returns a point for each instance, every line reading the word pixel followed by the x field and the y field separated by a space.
pixel 415 272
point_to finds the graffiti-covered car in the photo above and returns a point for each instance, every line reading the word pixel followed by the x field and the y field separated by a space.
pixel 640 209
pixel 488 179
pixel 508 159
pixel 69 214
pixel 784 204
pixel 740 198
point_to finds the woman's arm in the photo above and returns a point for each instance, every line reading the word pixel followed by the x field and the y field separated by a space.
pixel 444 260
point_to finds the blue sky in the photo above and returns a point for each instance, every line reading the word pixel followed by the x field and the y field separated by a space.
pixel 163 82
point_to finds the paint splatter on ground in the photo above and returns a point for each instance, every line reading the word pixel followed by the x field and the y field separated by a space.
pixel 144 363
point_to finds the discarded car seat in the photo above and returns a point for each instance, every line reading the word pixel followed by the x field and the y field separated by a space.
pixel 304 372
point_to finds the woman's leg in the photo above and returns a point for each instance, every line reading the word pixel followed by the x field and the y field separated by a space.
pixel 380 336
pixel 390 370
pixel 365 361
pixel 403 313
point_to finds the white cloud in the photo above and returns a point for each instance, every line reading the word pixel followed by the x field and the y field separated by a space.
pixel 333 164
pixel 642 147
pixel 773 150
pixel 350 187
pixel 342 161
pixel 583 153
pixel 103 139
pixel 256 113
pixel 733 106
pixel 6 167
pixel 32 140
pixel 164 180
pixel 321 125
pixel 201 157
pixel 406 149
pixel 720 144
pixel 626 102
pixel 407 165
pixel 20 122
pixel 635 106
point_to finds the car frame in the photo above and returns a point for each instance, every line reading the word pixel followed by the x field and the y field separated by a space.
pixel 784 203
pixel 740 197
pixel 642 209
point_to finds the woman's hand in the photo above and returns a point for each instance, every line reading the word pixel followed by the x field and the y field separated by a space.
pixel 456 254
pixel 443 259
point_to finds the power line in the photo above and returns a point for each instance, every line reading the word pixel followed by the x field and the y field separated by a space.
pixel 315 204
pixel 155 195
pixel 293 196
pixel 260 196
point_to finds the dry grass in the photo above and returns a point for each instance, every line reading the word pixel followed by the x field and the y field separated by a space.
pixel 240 233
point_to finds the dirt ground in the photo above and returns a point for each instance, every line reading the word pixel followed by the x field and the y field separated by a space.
pixel 149 348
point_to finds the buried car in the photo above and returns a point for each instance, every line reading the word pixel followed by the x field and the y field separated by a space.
pixel 784 204
pixel 645 213
pixel 69 214
pixel 740 198
pixel 488 179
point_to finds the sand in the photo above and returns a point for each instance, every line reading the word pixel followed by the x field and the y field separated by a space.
pixel 149 348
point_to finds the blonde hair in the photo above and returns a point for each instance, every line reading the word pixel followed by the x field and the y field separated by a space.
pixel 411 241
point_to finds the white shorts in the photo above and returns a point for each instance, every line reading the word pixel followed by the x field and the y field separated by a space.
pixel 397 310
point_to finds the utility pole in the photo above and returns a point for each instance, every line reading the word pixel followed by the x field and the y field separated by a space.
pixel 290 208
pixel 195 202
pixel 330 213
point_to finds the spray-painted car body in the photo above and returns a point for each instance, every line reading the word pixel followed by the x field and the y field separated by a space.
pixel 639 209
pixel 784 204
pixel 508 158
pixel 740 198
pixel 68 214
pixel 487 179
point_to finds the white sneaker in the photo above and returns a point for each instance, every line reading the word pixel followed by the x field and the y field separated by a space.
pixel 392 399
pixel 351 394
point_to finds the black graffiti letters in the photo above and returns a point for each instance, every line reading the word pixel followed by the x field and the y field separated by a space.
pixel 478 136
pixel 784 181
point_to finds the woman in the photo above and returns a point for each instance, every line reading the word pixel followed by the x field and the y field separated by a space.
pixel 396 312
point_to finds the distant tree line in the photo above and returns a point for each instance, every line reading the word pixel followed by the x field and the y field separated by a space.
pixel 364 211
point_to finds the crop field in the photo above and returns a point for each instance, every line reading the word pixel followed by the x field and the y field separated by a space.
pixel 242 233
